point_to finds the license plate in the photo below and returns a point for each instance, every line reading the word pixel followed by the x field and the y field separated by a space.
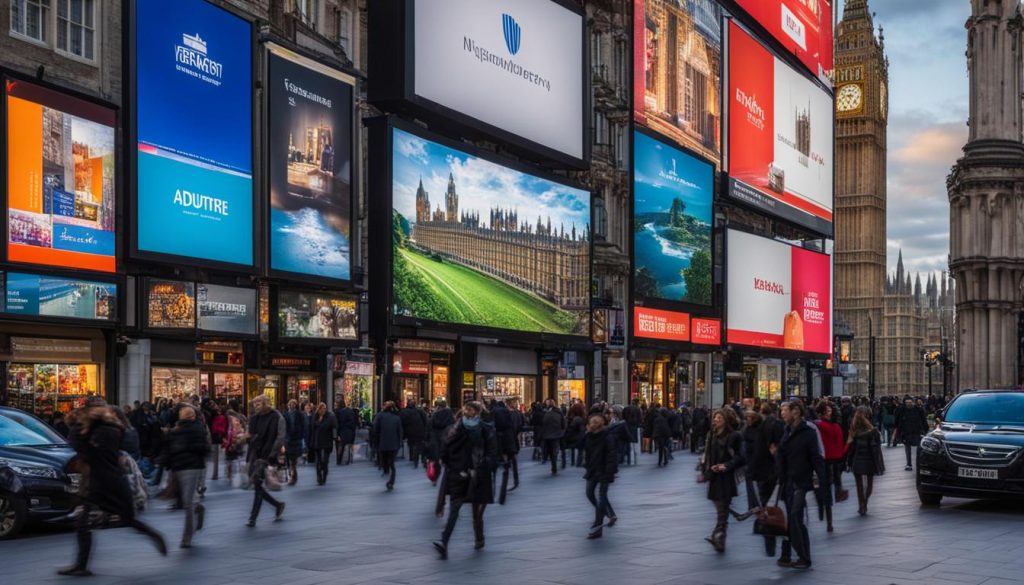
pixel 975 473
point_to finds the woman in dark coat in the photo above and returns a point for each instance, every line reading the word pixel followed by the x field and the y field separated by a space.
pixel 661 433
pixel 324 428
pixel 574 432
pixel 602 450
pixel 864 456
pixel 296 433
pixel 470 456
pixel 723 455
pixel 348 423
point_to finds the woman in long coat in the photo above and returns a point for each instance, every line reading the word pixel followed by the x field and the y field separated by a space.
pixel 864 456
pixel 723 455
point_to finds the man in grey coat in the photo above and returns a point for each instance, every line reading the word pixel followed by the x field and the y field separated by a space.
pixel 267 431
pixel 387 435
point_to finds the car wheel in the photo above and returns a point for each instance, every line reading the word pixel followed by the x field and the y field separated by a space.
pixel 13 514
pixel 931 500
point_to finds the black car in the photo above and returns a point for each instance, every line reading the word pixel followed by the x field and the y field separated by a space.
pixel 976 449
pixel 33 483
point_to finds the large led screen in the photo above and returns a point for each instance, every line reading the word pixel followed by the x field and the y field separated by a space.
pixel 804 27
pixel 61 179
pixel 478 243
pixel 171 304
pixel 51 296
pixel 194 106
pixel 302 315
pixel 677 68
pixel 780 136
pixel 672 199
pixel 780 296
pixel 515 65
pixel 226 309
pixel 310 167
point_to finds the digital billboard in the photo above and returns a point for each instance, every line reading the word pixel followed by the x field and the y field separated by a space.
pixel 780 136
pixel 310 167
pixel 61 179
pixel 779 296
pixel 514 65
pixel 226 309
pixel 482 244
pixel 672 199
pixel 658 324
pixel 171 304
pixel 194 94
pixel 51 296
pixel 677 72
pixel 302 315
pixel 804 27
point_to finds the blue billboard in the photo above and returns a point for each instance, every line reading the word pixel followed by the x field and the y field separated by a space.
pixel 46 296
pixel 194 110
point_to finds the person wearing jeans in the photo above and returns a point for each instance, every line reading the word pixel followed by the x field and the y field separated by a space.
pixel 799 459
pixel 187 450
pixel 325 426
pixel 602 463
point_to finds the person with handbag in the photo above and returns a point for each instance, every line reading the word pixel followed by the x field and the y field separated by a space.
pixel 470 456
pixel 762 433
pixel 723 456
pixel 799 459
pixel 864 456
pixel 267 430
pixel 602 463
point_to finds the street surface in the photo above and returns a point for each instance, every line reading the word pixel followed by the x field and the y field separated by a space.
pixel 352 531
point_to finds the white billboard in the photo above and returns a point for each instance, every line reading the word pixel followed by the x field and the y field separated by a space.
pixel 516 65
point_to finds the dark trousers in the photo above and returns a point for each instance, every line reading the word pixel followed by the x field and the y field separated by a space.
pixel 323 460
pixel 513 459
pixel 758 494
pixel 663 454
pixel 415 451
pixel 834 470
pixel 908 447
pixel 721 517
pixel 387 465
pixel 597 493
pixel 796 510
pixel 551 452
pixel 865 485
pixel 83 533
pixel 343 449
pixel 453 518
pixel 259 494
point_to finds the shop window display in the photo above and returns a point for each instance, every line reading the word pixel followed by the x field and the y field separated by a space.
pixel 570 390
pixel 512 389
pixel 303 389
pixel 176 384
pixel 48 389
pixel 267 385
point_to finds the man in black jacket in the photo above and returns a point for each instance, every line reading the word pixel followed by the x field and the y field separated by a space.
pixel 602 463
pixel 799 458
pixel 508 440
pixel 387 435
pixel 439 423
pixel 267 431
pixel 911 424
pixel 414 427
pixel 187 449
pixel 552 431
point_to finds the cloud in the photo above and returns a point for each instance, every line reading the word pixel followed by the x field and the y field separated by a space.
pixel 411 147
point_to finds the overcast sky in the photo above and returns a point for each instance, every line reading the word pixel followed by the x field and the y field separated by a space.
pixel 925 41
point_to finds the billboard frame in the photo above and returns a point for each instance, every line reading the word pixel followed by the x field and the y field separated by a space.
pixel 112 323
pixel 275 328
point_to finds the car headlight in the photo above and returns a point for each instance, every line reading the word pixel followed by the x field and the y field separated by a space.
pixel 931 445
pixel 29 470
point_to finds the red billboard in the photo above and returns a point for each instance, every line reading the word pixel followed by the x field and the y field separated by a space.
pixel 658 324
pixel 804 27
pixel 779 296
pixel 780 137
pixel 706 331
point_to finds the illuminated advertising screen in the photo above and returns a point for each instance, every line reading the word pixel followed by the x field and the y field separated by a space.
pixel 317 316
pixel 780 296
pixel 804 27
pixel 226 309
pixel 658 324
pixel 482 244
pixel 61 179
pixel 677 69
pixel 50 296
pixel 706 331
pixel 672 199
pixel 512 65
pixel 194 108
pixel 310 167
pixel 780 136
pixel 171 304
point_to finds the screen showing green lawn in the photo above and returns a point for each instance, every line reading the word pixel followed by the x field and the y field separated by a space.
pixel 481 244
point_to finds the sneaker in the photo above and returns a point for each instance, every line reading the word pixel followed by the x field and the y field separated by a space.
pixel 801 565
pixel 908 468
pixel 280 512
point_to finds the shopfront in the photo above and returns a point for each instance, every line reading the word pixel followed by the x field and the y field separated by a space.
pixel 48 376
pixel 216 371
pixel 421 370
pixel 287 378
pixel 355 381
pixel 506 374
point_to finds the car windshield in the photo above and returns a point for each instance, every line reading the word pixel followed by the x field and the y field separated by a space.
pixel 991 409
pixel 19 429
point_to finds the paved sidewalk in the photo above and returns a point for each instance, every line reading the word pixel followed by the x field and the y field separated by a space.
pixel 352 531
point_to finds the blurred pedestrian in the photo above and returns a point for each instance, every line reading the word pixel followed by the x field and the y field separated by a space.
pixel 602 464
pixel 723 456
pixel 325 426
pixel 187 449
pixel 387 433
pixel 295 435
pixel 552 432
pixel 267 431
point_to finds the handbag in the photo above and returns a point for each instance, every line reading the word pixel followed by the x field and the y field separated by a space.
pixel 771 520
pixel 432 471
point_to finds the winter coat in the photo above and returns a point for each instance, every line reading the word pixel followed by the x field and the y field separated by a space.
pixel 660 428
pixel 387 431
pixel 832 440
pixel 911 423
pixel 187 446
pixel 440 421
pixel 470 456
pixel 865 454
pixel 348 423
pixel 602 460
pixel 675 423
pixel 799 458
pixel 267 432
pixel 727 449
pixel 633 417
pixel 414 424
pixel 296 432
pixel 324 430
pixel 553 426
pixel 757 442
pixel 505 430
pixel 130 443
pixel 619 430
pixel 575 432
pixel 648 425
pixel 97 440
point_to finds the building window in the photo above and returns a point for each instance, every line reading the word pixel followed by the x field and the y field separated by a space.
pixel 30 18
pixel 344 30
pixel 76 30
pixel 600 220
pixel 309 12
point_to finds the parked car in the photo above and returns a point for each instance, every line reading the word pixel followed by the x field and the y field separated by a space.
pixel 34 486
pixel 976 449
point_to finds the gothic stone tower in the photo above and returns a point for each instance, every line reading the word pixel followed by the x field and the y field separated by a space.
pixel 861 101
pixel 986 203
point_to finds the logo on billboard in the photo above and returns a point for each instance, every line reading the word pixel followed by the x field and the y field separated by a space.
pixel 193 60
pixel 512 33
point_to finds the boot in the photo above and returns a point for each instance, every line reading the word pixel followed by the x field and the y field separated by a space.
pixel 828 518
pixel 595 532
pixel 717 540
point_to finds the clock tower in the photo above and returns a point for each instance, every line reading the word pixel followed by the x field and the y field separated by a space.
pixel 861 90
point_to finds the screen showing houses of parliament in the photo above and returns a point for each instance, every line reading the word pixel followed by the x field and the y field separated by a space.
pixel 481 244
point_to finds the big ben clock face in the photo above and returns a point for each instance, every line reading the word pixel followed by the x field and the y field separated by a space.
pixel 850 98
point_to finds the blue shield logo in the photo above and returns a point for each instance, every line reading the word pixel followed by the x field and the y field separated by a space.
pixel 512 33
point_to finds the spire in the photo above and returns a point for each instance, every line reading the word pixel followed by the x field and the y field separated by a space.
pixel 899 269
